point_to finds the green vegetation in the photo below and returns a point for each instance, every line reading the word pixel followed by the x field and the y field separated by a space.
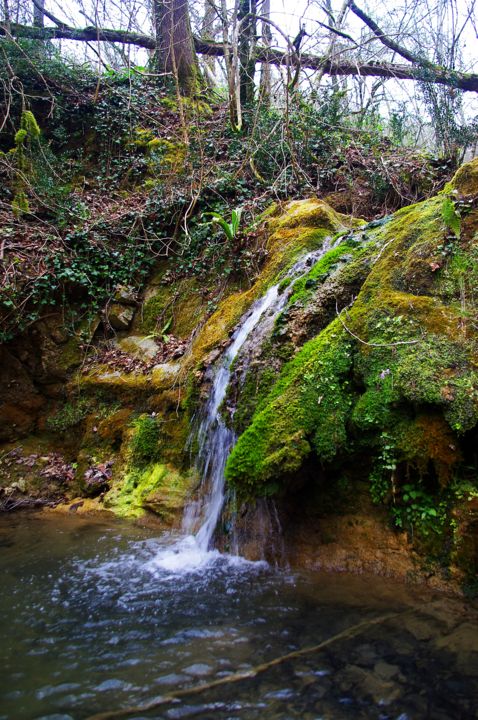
pixel 144 443
pixel 69 415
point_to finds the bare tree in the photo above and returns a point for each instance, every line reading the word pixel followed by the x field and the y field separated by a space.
pixel 265 82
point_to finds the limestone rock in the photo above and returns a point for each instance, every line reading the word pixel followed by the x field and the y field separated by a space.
pixel 143 347
pixel 120 316
pixel 126 295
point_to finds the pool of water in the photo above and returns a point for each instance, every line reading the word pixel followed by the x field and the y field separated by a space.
pixel 91 621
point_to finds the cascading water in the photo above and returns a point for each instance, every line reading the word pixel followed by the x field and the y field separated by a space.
pixel 216 440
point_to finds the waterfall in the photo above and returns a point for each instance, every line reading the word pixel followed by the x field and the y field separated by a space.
pixel 215 439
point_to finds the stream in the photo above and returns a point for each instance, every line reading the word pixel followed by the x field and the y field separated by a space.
pixel 90 622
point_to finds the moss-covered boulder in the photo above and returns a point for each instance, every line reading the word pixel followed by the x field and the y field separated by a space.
pixel 392 378
pixel 292 229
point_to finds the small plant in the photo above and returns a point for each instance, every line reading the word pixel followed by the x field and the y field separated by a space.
pixel 382 475
pixel 419 511
pixel 451 217
pixel 164 331
pixel 230 229
pixel 71 414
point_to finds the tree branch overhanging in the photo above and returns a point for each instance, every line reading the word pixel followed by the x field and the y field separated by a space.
pixel 428 72
pixel 387 41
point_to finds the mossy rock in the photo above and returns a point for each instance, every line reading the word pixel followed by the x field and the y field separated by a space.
pixel 307 409
pixel 180 306
pixel 401 363
pixel 465 180
pixel 102 379
pixel 293 229
pixel 156 487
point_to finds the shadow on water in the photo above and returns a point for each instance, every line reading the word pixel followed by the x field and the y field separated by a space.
pixel 91 621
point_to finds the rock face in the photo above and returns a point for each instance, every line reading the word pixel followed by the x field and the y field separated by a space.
pixel 357 412
pixel 383 387
pixel 33 370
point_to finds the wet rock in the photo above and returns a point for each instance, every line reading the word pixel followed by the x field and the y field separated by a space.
pixel 173 679
pixel 463 643
pixel 119 316
pixel 385 671
pixel 198 670
pixel 421 629
pixel 364 655
pixel 113 684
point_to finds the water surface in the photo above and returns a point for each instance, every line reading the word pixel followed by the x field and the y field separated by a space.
pixel 95 617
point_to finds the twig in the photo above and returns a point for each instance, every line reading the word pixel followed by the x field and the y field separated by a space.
pixel 364 342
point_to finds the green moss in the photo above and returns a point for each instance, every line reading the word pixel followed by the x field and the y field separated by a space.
pixel 144 442
pixel 253 393
pixel 71 353
pixel 20 204
pixel 305 286
pixel 465 180
pixel 172 154
pixel 306 410
pixel 29 125
pixel 20 136
pixel 182 302
pixel 300 226
pixel 157 487
pixel 72 413
pixel 122 385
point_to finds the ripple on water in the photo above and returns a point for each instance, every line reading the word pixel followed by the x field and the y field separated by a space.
pixel 198 670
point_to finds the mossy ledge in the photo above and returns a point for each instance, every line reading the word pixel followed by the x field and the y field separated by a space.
pixel 393 378
pixel 292 229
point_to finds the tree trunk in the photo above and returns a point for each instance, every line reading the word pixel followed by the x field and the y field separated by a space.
pixel 39 13
pixel 265 82
pixel 208 32
pixel 175 53
pixel 247 46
